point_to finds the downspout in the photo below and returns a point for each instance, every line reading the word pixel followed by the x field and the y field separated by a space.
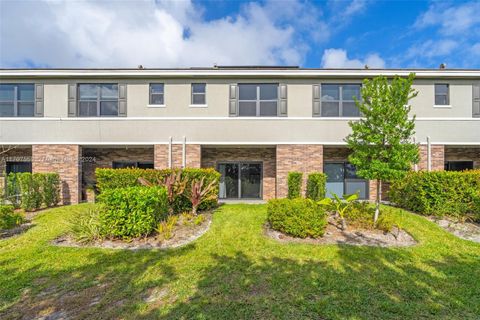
pixel 170 152
pixel 429 155
pixel 184 152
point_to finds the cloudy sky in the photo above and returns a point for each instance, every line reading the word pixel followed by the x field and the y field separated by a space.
pixel 49 33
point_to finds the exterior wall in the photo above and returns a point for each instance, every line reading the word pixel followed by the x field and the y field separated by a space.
pixel 63 159
pixel 437 157
pixel 192 159
pixel 302 158
pixel 103 157
pixel 463 154
pixel 211 156
pixel 55 100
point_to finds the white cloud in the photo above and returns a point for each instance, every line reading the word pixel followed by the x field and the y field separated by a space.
pixel 338 58
pixel 452 20
pixel 432 48
pixel 153 33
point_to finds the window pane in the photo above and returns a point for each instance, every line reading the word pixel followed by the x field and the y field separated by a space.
pixel 268 108
pixel 156 88
pixel 25 109
pixel 334 188
pixel 121 164
pixel 87 108
pixel 109 91
pixel 198 99
pixel 247 91
pixel 441 89
pixel 360 187
pixel 351 90
pixel 330 92
pixel 350 171
pixel 247 109
pixel 330 109
pixel 334 172
pixel 6 109
pixel 441 100
pixel 7 92
pixel 25 92
pixel 198 87
pixel 350 109
pixel 109 108
pixel 268 91
pixel 87 91
pixel 156 99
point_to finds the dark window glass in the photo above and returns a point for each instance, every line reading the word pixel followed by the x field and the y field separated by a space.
pixel 97 99
pixel 16 167
pixel 247 92
pixel 199 93
pixel 17 100
pixel 145 165
pixel 258 100
pixel 268 91
pixel 342 180
pixel 442 94
pixel 198 87
pixel 458 165
pixel 330 109
pixel 338 100
pixel 330 92
pixel 123 164
pixel 157 93
pixel 247 109
pixel 268 108
pixel 198 99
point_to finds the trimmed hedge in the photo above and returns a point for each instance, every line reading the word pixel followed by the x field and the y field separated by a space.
pixel 439 193
pixel 294 182
pixel 297 217
pixel 132 212
pixel 9 218
pixel 122 178
pixel 316 186
pixel 31 191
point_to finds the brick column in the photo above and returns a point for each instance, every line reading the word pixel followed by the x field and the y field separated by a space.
pixel 64 160
pixel 437 157
pixel 193 155
pixel 294 157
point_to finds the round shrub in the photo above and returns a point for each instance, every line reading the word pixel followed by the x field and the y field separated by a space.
pixel 9 218
pixel 297 217
pixel 132 212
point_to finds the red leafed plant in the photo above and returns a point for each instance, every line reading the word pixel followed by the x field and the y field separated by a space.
pixel 199 193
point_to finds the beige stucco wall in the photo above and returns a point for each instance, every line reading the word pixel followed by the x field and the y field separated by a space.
pixel 55 100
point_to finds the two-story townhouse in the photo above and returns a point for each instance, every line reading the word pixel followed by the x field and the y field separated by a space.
pixel 253 124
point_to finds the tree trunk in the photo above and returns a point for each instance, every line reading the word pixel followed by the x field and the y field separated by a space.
pixel 344 224
pixel 377 201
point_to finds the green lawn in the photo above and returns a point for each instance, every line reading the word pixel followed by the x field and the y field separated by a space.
pixel 234 272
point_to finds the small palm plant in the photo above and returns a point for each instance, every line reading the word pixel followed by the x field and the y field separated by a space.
pixel 340 206
pixel 200 192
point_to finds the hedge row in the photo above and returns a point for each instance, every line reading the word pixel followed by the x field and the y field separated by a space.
pixel 32 191
pixel 122 178
pixel 316 185
pixel 132 212
pixel 439 192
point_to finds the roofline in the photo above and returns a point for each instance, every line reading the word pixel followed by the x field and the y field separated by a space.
pixel 229 72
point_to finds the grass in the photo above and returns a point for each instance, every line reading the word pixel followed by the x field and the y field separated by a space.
pixel 234 272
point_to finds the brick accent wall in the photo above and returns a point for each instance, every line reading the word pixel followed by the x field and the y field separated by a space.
pixel 437 157
pixel 211 156
pixel 463 154
pixel 193 157
pixel 103 157
pixel 63 159
pixel 302 158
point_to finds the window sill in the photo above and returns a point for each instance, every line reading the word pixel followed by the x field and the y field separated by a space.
pixel 442 106
pixel 156 106
pixel 198 106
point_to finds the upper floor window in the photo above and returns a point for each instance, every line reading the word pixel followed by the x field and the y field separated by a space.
pixel 257 100
pixel 199 91
pixel 17 100
pixel 338 100
pixel 442 94
pixel 157 95
pixel 98 99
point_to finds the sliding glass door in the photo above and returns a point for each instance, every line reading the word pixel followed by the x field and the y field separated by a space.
pixel 342 179
pixel 240 180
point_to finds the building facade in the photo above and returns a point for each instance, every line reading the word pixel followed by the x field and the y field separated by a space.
pixel 253 124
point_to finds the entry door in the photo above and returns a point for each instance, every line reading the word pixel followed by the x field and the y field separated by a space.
pixel 240 180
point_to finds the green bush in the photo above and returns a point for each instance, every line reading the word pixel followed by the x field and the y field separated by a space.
pixel 122 178
pixel 51 189
pixel 132 212
pixel 361 216
pixel 9 218
pixel 316 186
pixel 297 217
pixel 12 190
pixel 85 226
pixel 439 193
pixel 294 184
pixel 29 186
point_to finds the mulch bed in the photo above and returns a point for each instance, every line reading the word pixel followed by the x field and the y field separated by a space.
pixel 15 231
pixel 358 237
pixel 464 230
pixel 183 234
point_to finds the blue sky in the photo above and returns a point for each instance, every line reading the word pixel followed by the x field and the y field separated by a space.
pixel 335 34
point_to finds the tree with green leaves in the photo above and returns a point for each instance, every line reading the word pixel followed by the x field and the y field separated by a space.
pixel 381 141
